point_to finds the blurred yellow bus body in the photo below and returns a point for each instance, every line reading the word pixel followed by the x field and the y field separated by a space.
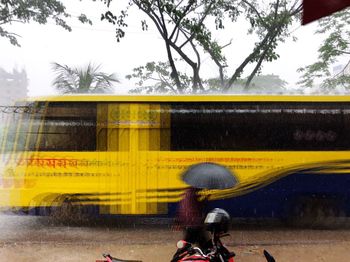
pixel 125 154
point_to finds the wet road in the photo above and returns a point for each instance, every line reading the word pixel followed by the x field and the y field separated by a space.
pixel 26 238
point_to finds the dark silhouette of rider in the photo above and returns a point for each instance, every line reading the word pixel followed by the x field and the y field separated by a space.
pixel 190 217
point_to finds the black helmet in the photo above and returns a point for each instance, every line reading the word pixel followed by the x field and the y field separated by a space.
pixel 217 220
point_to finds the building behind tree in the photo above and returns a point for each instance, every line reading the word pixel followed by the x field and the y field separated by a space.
pixel 13 86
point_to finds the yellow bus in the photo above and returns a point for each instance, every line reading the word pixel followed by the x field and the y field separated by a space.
pixel 125 154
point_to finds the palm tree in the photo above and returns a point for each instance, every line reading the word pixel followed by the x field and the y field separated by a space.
pixel 87 80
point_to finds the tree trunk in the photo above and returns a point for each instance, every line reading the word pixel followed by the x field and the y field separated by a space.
pixel 196 79
pixel 174 74
pixel 252 75
pixel 261 59
pixel 239 70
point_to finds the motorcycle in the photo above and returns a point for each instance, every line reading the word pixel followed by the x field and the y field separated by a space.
pixel 218 252
pixel 187 252
pixel 217 223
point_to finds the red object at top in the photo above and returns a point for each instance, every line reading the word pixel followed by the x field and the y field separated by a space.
pixel 316 9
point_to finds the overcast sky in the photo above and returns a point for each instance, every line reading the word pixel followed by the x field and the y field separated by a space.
pixel 43 44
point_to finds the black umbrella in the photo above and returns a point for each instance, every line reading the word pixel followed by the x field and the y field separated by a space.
pixel 209 176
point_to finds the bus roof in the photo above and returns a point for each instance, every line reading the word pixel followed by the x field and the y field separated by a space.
pixel 193 98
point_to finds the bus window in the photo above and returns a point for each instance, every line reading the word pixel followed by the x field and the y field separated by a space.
pixel 9 132
pixel 259 126
pixel 3 122
pixel 22 131
pixel 36 121
pixel 16 127
pixel 68 127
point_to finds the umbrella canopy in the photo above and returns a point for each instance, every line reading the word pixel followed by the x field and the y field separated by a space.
pixel 209 176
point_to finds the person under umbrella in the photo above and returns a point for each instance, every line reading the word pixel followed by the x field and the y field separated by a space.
pixel 190 218
pixel 190 214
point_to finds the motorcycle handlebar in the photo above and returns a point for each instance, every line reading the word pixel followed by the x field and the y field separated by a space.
pixel 199 251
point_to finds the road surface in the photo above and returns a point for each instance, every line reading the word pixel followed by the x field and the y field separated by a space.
pixel 36 239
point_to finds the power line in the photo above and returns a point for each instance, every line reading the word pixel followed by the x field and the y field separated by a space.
pixel 19 109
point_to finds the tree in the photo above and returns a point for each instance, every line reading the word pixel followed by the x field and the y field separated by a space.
pixel 183 26
pixel 12 11
pixel 155 78
pixel 336 45
pixel 88 80
pixel 271 26
pixel 267 83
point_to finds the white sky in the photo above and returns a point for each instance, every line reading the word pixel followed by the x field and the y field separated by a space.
pixel 43 44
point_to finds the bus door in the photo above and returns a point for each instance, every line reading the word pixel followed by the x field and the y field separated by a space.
pixel 129 139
